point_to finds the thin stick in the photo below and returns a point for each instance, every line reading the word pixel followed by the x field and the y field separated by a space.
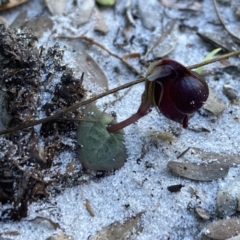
pixel 77 105
pixel 223 23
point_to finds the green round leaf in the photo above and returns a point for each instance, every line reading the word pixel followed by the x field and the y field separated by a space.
pixel 106 2
pixel 98 149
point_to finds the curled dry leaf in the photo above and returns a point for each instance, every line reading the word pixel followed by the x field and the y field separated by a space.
pixel 199 172
pixel 213 104
pixel 222 229
pixel 98 149
pixel 11 4
pixel 118 231
pixel 56 7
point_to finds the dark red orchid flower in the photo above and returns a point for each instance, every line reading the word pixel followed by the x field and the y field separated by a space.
pixel 174 90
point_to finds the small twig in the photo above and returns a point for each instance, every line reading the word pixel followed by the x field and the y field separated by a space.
pixel 183 153
pixel 77 105
pixel 224 25
pixel 129 12
pixel 92 41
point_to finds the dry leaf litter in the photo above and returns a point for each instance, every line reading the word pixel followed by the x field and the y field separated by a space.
pixel 69 203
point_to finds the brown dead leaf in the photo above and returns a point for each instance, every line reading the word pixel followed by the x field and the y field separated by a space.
pixel 199 171
pixel 118 231
pixel 214 104
pixel 222 229
pixel 11 4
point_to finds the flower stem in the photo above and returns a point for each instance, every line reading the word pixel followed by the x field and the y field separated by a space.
pixel 142 111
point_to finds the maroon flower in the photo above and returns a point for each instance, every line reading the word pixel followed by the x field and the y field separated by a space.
pixel 175 91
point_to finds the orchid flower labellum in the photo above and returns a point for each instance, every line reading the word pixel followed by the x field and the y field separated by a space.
pixel 174 90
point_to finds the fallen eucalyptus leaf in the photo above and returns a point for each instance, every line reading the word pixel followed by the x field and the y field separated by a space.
pixel 118 231
pixel 56 7
pixel 222 229
pixel 98 149
pixel 225 159
pixel 214 104
pixel 38 25
pixel 219 39
pixel 81 62
pixel 199 171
